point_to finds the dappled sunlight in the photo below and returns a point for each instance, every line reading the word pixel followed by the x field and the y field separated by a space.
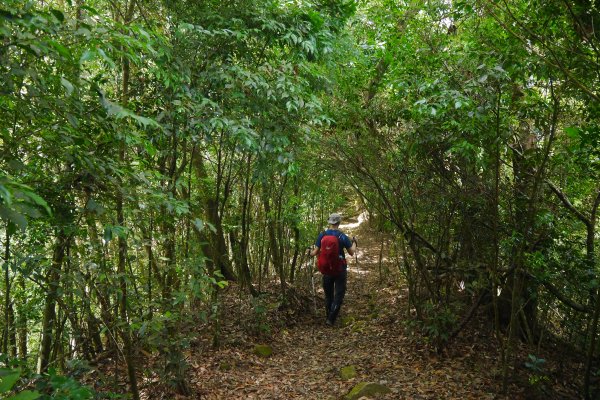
pixel 356 270
pixel 362 217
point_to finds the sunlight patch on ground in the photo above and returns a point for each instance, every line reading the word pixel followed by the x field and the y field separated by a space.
pixel 358 270
pixel 362 217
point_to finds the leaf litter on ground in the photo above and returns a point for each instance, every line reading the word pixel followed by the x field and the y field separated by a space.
pixel 372 334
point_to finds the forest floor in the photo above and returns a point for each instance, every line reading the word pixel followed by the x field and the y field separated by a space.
pixel 372 333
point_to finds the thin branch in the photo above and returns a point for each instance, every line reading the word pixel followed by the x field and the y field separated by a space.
pixel 562 298
pixel 567 203
pixel 581 27
pixel 595 208
pixel 557 63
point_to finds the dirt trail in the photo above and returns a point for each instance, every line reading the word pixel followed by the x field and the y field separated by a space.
pixel 370 334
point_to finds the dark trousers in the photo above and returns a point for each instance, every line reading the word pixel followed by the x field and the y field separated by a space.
pixel 335 289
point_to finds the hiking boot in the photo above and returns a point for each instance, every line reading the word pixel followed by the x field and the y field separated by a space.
pixel 333 314
pixel 329 322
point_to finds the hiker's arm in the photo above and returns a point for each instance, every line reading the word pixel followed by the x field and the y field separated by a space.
pixel 317 246
pixel 314 251
pixel 352 249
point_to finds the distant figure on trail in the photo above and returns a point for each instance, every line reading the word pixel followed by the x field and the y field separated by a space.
pixel 331 262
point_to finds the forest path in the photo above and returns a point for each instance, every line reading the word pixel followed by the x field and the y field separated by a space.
pixel 370 334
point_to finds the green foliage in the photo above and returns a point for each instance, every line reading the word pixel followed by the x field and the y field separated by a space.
pixel 535 364
pixel 437 325
pixel 18 202
pixel 8 379
pixel 64 388
pixel 260 323
pixel 537 375
pixel 51 386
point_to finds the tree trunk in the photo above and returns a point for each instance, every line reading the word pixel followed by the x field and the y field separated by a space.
pixel 49 316
pixel 122 257
pixel 12 332
pixel 217 250
pixel 276 257
pixel 244 241
pixel 296 229
pixel 21 324
pixel 7 302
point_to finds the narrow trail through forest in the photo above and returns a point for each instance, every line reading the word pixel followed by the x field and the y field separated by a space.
pixel 370 334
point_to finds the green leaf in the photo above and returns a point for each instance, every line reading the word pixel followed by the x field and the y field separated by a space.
pixel 87 56
pixel 108 234
pixel 199 224
pixel 39 201
pixel 150 149
pixel 144 121
pixel 58 15
pixel 94 207
pixel 106 58
pixel 5 195
pixel 211 227
pixel 14 217
pixel 26 395
pixel 91 10
pixel 573 132
pixel 67 85
pixel 73 121
pixel 8 379
pixel 62 50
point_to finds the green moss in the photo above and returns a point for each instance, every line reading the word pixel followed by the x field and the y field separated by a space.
pixel 368 389
pixel 263 350
pixel 348 372
pixel 225 366
pixel 347 320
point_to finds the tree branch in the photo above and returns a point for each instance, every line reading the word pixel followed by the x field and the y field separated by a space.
pixel 567 203
pixel 561 297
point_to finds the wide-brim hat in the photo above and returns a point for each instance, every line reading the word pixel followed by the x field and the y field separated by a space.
pixel 334 219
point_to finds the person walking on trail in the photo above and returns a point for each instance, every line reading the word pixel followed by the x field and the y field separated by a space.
pixel 329 247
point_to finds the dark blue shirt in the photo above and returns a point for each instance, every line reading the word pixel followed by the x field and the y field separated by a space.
pixel 345 242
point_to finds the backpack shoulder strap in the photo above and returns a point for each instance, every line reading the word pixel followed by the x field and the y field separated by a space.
pixel 323 234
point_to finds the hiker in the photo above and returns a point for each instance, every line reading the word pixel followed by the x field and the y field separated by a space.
pixel 330 246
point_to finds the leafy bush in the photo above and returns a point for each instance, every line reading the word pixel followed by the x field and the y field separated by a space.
pixel 17 383
pixel 8 379
pixel 437 324
pixel 537 376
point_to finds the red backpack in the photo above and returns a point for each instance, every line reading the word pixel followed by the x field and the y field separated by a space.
pixel 329 261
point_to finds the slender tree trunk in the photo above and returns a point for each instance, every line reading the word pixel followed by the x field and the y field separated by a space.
pixel 49 316
pixel 22 324
pixel 217 251
pixel 244 245
pixel 591 348
pixel 122 241
pixel 168 225
pixel 591 259
pixel 152 267
pixel 121 272
pixel 7 302
pixel 100 290
pixel 276 256
pixel 494 273
pixel 12 332
pixel 296 229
